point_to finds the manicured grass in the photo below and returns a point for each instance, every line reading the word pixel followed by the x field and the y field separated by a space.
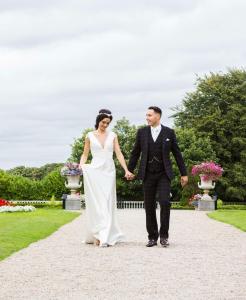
pixel 236 218
pixel 20 229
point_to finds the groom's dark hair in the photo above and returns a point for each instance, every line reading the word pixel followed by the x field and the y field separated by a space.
pixel 156 109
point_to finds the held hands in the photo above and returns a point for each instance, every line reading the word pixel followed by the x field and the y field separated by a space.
pixel 129 175
pixel 184 180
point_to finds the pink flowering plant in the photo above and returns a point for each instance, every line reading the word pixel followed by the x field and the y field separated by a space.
pixel 71 169
pixel 193 201
pixel 207 171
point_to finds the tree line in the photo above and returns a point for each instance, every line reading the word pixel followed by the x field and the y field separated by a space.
pixel 210 125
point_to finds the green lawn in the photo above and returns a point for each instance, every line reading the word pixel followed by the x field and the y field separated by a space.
pixel 20 229
pixel 236 218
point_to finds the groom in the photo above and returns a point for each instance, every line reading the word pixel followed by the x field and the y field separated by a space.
pixel 154 143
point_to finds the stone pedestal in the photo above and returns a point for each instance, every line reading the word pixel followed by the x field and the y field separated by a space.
pixel 206 202
pixel 207 205
pixel 73 203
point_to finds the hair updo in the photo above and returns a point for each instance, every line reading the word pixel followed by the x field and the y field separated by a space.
pixel 103 113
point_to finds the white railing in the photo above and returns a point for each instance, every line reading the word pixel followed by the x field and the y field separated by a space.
pixel 120 204
pixel 124 204
pixel 130 204
pixel 30 202
pixel 135 204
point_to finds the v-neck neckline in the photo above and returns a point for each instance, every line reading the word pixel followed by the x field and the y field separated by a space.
pixel 105 140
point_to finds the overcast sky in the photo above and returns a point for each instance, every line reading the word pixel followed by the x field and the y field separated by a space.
pixel 61 61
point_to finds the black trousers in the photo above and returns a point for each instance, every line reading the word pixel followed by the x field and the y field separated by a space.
pixel 157 186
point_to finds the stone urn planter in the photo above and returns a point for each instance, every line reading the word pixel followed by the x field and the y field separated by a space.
pixel 72 172
pixel 206 202
pixel 209 172
pixel 73 201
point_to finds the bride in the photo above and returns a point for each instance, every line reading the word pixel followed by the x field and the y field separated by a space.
pixel 100 183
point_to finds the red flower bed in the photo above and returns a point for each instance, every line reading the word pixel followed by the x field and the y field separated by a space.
pixel 4 202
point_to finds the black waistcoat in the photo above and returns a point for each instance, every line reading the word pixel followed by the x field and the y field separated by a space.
pixel 155 161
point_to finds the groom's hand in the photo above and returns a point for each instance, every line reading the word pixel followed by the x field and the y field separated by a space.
pixel 184 180
pixel 129 175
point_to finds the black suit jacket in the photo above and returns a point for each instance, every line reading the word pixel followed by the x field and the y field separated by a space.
pixel 169 144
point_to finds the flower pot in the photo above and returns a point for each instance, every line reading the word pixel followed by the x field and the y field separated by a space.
pixel 206 202
pixel 73 183
pixel 73 202
pixel 206 184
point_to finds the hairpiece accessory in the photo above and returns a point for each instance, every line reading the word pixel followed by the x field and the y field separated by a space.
pixel 102 113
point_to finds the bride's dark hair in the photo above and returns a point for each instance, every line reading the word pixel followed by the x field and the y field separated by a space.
pixel 103 113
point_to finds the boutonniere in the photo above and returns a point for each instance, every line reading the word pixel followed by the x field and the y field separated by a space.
pixel 167 139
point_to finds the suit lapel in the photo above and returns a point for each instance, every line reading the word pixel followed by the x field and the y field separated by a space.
pixel 163 137
pixel 146 138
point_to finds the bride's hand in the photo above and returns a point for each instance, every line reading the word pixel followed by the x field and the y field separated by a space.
pixel 129 175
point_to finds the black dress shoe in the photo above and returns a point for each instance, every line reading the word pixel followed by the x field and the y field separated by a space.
pixel 151 243
pixel 164 242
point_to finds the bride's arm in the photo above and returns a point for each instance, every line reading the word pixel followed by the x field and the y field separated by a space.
pixel 86 151
pixel 121 158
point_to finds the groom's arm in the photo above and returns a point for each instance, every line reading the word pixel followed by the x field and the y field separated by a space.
pixel 135 154
pixel 177 155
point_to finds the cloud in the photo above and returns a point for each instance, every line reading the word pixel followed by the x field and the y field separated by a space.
pixel 62 61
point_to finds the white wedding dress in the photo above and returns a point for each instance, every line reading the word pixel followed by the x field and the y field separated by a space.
pixel 100 193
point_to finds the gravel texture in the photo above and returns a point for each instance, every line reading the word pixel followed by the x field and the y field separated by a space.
pixel 206 260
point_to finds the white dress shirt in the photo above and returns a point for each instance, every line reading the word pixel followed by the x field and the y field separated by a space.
pixel 155 131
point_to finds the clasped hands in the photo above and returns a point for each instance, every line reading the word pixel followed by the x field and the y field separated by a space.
pixel 129 175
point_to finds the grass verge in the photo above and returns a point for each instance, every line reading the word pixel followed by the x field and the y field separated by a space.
pixel 20 229
pixel 236 218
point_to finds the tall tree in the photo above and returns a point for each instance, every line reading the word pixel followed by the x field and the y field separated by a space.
pixel 194 150
pixel 217 109
pixel 78 147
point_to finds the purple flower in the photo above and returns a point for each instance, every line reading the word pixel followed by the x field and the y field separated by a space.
pixel 71 169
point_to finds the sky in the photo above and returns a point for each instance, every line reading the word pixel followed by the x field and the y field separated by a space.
pixel 62 61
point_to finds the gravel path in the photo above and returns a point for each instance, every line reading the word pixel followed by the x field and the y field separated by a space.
pixel 206 260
